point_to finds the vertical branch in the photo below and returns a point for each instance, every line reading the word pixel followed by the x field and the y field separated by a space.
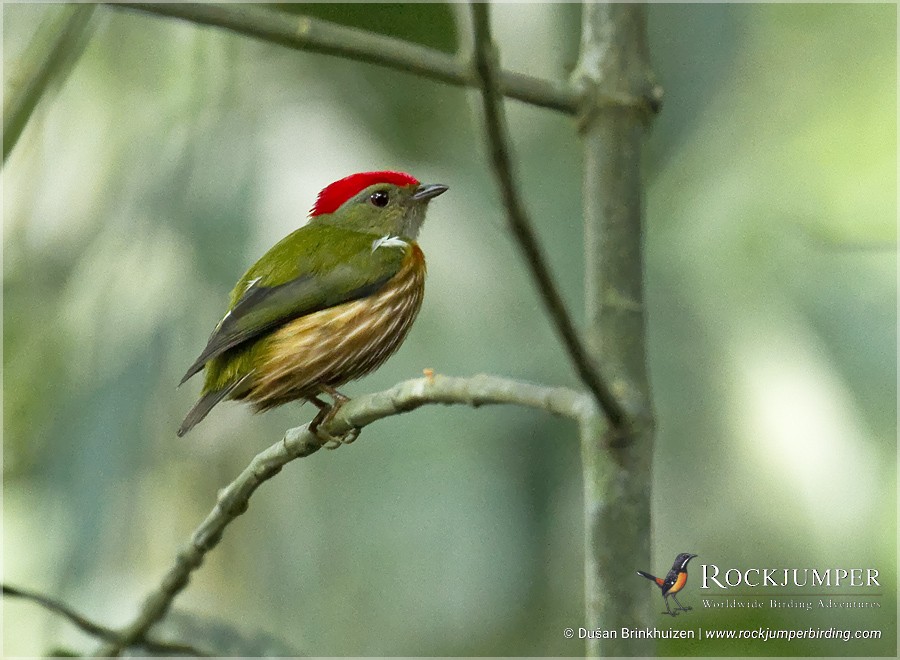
pixel 50 55
pixel 614 76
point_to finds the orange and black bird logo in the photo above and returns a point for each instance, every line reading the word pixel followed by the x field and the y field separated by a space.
pixel 673 582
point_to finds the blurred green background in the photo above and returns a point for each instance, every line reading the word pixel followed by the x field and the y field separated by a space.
pixel 173 157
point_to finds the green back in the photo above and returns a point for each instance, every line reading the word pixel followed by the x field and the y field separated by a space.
pixel 316 267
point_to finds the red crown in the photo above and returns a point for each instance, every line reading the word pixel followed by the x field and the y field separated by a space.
pixel 335 194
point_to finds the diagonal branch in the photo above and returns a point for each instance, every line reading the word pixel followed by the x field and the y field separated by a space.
pixel 317 36
pixel 299 442
pixel 50 55
pixel 486 66
pixel 95 629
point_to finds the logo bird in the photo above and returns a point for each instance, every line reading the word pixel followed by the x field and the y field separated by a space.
pixel 327 304
pixel 673 582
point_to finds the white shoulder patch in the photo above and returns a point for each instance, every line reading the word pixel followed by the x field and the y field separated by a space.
pixel 388 241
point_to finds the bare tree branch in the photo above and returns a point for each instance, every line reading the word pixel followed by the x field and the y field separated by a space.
pixel 317 36
pixel 299 442
pixel 620 97
pixel 50 55
pixel 95 629
pixel 486 66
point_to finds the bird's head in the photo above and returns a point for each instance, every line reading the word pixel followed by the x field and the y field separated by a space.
pixel 681 561
pixel 383 203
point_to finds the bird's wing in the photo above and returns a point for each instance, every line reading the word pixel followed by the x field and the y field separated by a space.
pixel 314 268
pixel 671 579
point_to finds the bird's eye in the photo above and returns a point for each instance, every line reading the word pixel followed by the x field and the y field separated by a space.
pixel 379 198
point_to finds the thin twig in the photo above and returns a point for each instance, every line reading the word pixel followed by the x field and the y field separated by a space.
pixel 486 66
pixel 95 629
pixel 50 55
pixel 314 35
pixel 299 442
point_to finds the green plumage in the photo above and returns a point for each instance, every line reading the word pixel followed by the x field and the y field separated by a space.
pixel 316 267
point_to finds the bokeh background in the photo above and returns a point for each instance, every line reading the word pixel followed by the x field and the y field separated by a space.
pixel 174 156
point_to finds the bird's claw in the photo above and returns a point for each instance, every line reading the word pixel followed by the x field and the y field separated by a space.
pixel 324 417
pixel 330 441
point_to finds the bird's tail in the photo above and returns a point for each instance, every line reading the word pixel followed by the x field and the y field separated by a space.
pixel 653 578
pixel 205 404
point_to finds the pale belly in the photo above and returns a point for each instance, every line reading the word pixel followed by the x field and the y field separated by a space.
pixel 336 345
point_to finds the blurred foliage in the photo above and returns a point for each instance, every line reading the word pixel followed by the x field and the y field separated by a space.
pixel 174 156
pixel 52 52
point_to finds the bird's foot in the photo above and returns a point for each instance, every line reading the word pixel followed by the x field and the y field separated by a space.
pixel 330 441
pixel 679 606
pixel 671 613
pixel 334 441
pixel 324 417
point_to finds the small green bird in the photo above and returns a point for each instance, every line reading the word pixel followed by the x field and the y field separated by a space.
pixel 327 304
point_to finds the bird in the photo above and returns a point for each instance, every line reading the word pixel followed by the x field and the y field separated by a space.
pixel 673 582
pixel 327 304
